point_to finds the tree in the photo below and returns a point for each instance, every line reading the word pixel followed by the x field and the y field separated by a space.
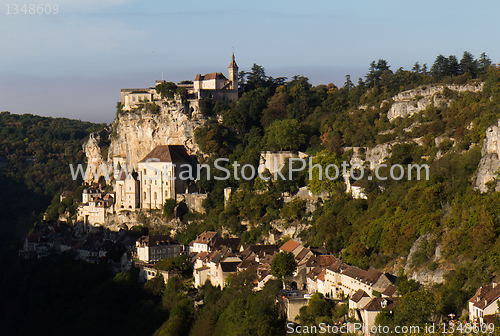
pixel 166 89
pixel 468 65
pixel 438 67
pixel 155 285
pixel 416 68
pixel 318 181
pixel 452 66
pixel 169 207
pixel 257 77
pixel 484 63
pixel 283 265
pixel 348 85
pixel 376 71
pixel 294 209
pixel 284 135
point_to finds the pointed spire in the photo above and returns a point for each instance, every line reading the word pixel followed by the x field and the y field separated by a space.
pixel 233 63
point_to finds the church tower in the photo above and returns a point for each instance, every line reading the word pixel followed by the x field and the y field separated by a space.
pixel 233 74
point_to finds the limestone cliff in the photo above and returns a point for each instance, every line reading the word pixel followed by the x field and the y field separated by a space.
pixel 134 134
pixel 490 161
pixel 93 150
pixel 409 102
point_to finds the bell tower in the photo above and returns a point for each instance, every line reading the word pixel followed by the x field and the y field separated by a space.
pixel 233 74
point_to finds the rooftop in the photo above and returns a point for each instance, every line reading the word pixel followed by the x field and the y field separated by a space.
pixel 168 153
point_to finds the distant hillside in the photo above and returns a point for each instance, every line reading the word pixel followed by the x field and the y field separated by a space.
pixel 35 153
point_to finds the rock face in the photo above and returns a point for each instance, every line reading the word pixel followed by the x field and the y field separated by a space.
pixel 134 134
pixel 376 155
pixel 490 161
pixel 409 102
pixel 92 149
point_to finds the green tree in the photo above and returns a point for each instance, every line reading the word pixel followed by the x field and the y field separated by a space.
pixel 284 135
pixel 166 89
pixel 169 207
pixel 155 285
pixel 318 181
pixel 468 65
pixel 283 265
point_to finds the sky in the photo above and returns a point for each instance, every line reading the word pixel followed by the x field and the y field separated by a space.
pixel 74 61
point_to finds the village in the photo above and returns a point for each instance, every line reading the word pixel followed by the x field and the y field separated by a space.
pixel 214 257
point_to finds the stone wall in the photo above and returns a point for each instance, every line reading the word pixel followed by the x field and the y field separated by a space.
pixel 193 201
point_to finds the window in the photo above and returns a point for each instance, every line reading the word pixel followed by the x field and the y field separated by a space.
pixel 144 195
pixel 155 195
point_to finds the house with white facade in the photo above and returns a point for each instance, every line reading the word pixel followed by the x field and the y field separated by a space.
pixel 484 303
pixel 161 176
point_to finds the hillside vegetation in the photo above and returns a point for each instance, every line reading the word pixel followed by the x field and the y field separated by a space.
pixel 325 119
pixel 35 153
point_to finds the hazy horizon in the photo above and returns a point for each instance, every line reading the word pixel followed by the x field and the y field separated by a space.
pixel 75 62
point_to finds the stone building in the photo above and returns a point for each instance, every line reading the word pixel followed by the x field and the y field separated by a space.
pixel 127 192
pixel 155 248
pixel 214 85
pixel 160 175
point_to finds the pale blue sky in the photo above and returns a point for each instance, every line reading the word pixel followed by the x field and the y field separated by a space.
pixel 74 63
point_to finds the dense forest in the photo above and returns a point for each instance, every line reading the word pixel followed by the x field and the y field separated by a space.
pixel 35 153
pixel 281 114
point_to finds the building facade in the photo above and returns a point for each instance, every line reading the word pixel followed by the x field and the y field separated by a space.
pixel 155 248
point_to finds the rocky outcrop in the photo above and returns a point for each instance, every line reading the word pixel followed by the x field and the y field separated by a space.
pixel 427 277
pixel 490 161
pixel 129 219
pixel 93 150
pixel 134 134
pixel 374 156
pixel 409 102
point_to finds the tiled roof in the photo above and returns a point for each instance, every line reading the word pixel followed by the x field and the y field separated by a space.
pixel 390 290
pixel 168 153
pixel 359 295
pixel 232 243
pixel 66 193
pixel 368 277
pixel 337 266
pixel 206 237
pixel 322 260
pixel 302 254
pixel 314 273
pixel 157 240
pixel 229 266
pixel 321 276
pixel 209 76
pixel 376 304
pixel 485 295
pixel 289 246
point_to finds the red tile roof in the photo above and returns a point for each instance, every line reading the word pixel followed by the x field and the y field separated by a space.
pixel 289 246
